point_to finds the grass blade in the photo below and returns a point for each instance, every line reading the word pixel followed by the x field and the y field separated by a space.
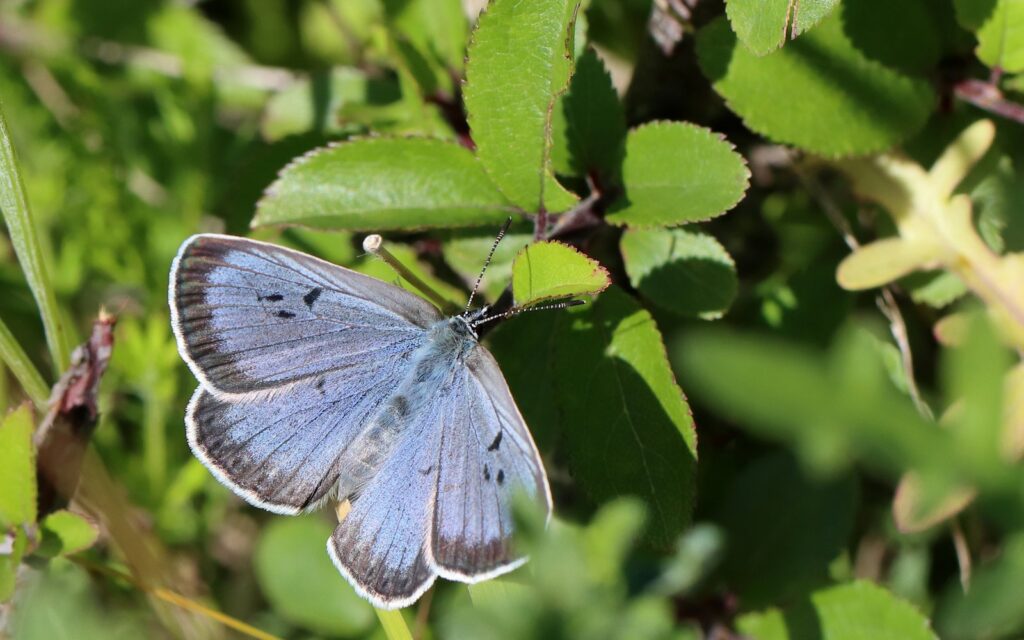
pixel 21 227
pixel 17 361
pixel 393 624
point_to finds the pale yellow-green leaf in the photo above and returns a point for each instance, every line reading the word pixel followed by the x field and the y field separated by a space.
pixel 912 514
pixel 961 156
pixel 883 261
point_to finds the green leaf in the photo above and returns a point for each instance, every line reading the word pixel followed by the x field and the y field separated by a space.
pixel 819 92
pixel 520 60
pixel 683 272
pixel 17 469
pixel 22 231
pixel 630 432
pixel 466 254
pixel 999 26
pixel 313 103
pixel 780 523
pixel 297 577
pixel 546 270
pixel 992 608
pixel 14 356
pixel 384 183
pixel 589 129
pixel 438 27
pixel 65 533
pixel 763 26
pixel 853 611
pixel 677 172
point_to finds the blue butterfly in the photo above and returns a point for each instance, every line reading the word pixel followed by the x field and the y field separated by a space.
pixel 317 382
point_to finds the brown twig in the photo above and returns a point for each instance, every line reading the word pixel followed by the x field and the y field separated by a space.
pixel 988 96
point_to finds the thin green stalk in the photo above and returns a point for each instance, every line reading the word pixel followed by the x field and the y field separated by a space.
pixel 393 624
pixel 375 244
pixel 17 361
pixel 21 227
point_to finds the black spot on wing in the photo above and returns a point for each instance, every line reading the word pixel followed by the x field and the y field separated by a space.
pixel 273 297
pixel 320 385
pixel 497 442
pixel 487 473
pixel 401 406
pixel 311 297
pixel 285 314
pixel 501 476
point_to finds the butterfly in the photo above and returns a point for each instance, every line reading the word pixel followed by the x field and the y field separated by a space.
pixel 318 383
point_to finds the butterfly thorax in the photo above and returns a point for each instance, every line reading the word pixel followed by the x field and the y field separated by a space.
pixel 433 368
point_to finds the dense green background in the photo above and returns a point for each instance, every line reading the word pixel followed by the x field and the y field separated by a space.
pixel 809 224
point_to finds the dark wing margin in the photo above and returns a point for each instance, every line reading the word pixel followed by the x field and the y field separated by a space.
pixel 250 316
pixel 486 455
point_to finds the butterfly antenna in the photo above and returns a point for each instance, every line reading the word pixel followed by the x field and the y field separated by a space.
pixel 515 311
pixel 487 262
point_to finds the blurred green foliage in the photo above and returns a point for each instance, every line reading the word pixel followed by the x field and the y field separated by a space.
pixel 842 465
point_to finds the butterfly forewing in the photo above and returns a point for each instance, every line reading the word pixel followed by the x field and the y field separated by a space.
pixel 251 316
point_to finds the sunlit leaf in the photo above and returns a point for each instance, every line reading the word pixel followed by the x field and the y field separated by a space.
pixel 999 26
pixel 17 469
pixel 546 270
pixel 837 101
pixel 384 183
pixel 844 612
pixel 519 60
pixel 676 172
pixel 65 533
pixel 764 26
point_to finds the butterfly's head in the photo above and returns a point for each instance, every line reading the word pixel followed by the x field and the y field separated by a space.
pixel 464 324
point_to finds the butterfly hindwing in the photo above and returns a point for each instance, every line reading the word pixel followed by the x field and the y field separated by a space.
pixel 486 455
pixel 251 316
pixel 382 545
